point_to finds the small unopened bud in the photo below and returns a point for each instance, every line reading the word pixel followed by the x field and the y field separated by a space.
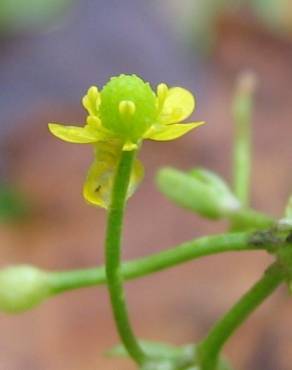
pixel 200 191
pixel 22 287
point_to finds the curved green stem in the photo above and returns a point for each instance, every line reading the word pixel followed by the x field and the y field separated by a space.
pixel 249 219
pixel 211 346
pixel 113 256
pixel 61 281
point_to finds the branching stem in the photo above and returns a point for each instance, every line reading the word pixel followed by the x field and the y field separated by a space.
pixel 211 346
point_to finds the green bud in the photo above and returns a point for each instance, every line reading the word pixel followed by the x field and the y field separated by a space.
pixel 199 190
pixel 22 287
pixel 128 107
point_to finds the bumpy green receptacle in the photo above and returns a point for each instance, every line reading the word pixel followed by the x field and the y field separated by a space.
pixel 128 88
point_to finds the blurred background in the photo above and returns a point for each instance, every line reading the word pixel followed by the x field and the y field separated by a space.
pixel 51 51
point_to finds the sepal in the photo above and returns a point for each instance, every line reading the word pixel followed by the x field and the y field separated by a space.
pixel 98 185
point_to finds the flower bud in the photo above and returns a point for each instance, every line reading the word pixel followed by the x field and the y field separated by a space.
pixel 199 190
pixel 22 287
pixel 128 107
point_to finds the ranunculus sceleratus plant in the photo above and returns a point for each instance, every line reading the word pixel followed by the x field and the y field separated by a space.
pixel 119 117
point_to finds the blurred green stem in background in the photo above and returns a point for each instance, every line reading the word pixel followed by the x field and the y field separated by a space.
pixel 211 346
pixel 260 240
pixel 242 114
pixel 113 256
pixel 13 206
pixel 18 16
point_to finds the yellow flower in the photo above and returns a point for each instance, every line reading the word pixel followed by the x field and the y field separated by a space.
pixel 125 112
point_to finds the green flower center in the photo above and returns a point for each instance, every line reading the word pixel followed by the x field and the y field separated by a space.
pixel 128 107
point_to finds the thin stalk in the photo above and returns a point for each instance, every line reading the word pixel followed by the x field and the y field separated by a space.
pixel 211 346
pixel 61 281
pixel 113 256
pixel 249 219
pixel 242 111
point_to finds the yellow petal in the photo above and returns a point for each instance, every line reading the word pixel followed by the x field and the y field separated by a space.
pixel 99 182
pixel 171 132
pixel 178 105
pixel 91 101
pixel 75 134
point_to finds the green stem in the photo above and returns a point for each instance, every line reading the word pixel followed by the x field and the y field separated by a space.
pixel 242 109
pixel 205 246
pixel 113 256
pixel 249 219
pixel 211 346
